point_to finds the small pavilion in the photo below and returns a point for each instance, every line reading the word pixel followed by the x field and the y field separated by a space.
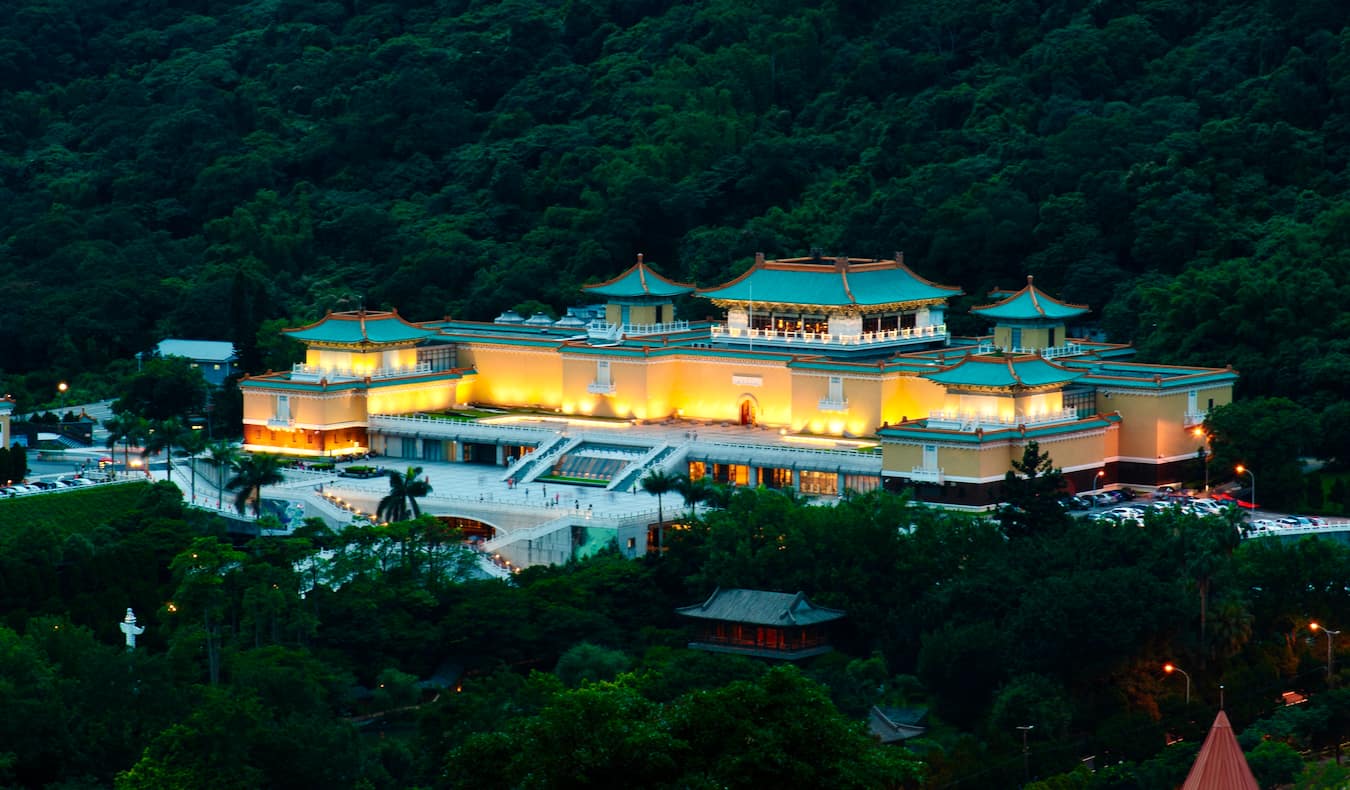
pixel 762 624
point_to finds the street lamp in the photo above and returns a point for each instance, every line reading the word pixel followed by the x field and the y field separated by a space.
pixel 1026 752
pixel 1331 638
pixel 61 388
pixel 1199 433
pixel 1101 476
pixel 1244 470
pixel 1170 668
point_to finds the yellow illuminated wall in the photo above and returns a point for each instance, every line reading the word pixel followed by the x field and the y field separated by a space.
pixel 409 398
pixel 515 375
pixel 362 361
pixel 1032 337
pixel 1155 421
pixel 912 398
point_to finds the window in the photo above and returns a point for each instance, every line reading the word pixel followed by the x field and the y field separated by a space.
pixel 836 388
pixel 284 407
pixel 602 372
pixel 930 460
pixel 216 366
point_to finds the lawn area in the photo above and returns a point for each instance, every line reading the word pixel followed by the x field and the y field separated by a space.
pixel 70 511
pixel 575 481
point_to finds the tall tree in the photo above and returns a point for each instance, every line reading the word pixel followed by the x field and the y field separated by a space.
pixel 400 503
pixel 252 472
pixel 126 428
pixel 1031 490
pixel 165 435
pixel 659 483
pixel 223 456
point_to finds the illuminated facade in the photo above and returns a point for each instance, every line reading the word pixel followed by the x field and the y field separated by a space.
pixel 6 408
pixel 809 349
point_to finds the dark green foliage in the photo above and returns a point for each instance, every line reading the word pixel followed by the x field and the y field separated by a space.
pixel 1031 491
pixel 200 171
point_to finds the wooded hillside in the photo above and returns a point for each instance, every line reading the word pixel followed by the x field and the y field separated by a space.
pixel 199 170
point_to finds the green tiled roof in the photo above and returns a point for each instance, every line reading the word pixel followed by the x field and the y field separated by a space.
pixel 1028 304
pixel 1001 371
pixel 918 431
pixel 638 281
pixel 846 282
pixel 760 607
pixel 361 327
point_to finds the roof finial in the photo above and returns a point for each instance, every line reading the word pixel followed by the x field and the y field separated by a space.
pixel 900 258
pixel 1030 278
pixel 639 259
pixel 759 259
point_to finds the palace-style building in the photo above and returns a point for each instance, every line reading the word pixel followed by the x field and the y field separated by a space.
pixel 841 370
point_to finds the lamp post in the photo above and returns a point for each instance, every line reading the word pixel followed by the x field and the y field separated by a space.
pixel 1199 433
pixel 1026 752
pixel 1331 655
pixel 1101 476
pixel 1170 668
pixel 1244 470
pixel 61 388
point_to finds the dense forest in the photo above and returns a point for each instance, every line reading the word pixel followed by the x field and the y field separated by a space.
pixel 368 658
pixel 220 169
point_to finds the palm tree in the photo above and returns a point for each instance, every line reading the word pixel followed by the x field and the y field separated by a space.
pixel 193 442
pixel 252 472
pixel 166 435
pixel 693 491
pixel 222 455
pixel 401 501
pixel 658 482
pixel 126 428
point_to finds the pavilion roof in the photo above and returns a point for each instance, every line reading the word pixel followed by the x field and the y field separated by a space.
pixel 838 282
pixel 361 327
pixel 639 280
pixel 1004 372
pixel 1220 765
pixel 760 607
pixel 1027 304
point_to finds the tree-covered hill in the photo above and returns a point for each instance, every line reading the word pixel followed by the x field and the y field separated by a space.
pixel 200 169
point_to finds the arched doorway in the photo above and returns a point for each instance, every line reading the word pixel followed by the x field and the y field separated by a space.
pixel 749 410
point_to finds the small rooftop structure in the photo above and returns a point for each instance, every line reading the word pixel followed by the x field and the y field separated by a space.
pixel 215 358
pixel 892 725
pixel 1029 304
pixel 362 329
pixel 1005 372
pixel 845 283
pixel 1220 765
pixel 640 281
pixel 761 623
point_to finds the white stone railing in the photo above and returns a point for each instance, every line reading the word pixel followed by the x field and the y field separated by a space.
pixel 281 422
pixel 834 404
pixel 1053 352
pixel 969 421
pixel 1192 419
pixel 604 330
pixel 923 474
pixel 302 372
pixel 600 388
pixel 918 333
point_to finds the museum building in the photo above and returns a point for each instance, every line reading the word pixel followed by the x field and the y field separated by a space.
pixel 841 371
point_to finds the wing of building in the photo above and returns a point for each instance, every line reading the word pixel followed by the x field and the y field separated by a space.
pixel 841 372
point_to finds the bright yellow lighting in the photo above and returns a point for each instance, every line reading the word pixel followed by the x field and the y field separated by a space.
pixel 1169 668
pixel 1313 626
pixel 1242 470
